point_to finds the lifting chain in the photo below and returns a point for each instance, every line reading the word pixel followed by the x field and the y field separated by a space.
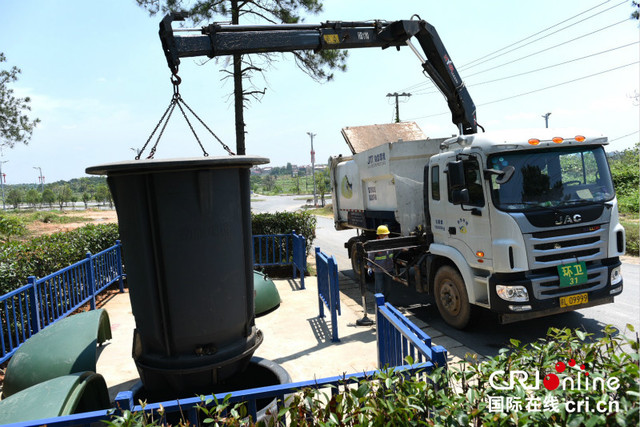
pixel 176 100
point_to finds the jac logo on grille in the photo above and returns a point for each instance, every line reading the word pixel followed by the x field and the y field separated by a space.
pixel 568 219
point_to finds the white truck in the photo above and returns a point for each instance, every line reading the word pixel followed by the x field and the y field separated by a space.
pixel 522 223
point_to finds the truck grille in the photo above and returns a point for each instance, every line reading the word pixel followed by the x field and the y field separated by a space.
pixel 548 249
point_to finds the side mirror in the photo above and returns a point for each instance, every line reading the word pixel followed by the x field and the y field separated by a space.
pixel 460 196
pixel 508 173
pixel 456 174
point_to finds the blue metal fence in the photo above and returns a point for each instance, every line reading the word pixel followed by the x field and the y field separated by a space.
pixel 299 257
pixel 328 289
pixel 280 250
pixel 398 338
pixel 42 302
pixel 187 408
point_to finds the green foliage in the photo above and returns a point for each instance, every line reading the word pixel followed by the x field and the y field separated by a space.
pixel 466 400
pixel 464 391
pixel 460 395
pixel 15 125
pixel 633 239
pixel 14 198
pixel 46 254
pixel 32 198
pixel 11 226
pixel 285 222
pixel 279 181
pixel 625 171
pixel 48 197
pixel 323 183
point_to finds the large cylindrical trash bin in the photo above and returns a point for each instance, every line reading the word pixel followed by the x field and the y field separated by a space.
pixel 185 226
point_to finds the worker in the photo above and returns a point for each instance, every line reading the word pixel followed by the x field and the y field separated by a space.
pixel 382 261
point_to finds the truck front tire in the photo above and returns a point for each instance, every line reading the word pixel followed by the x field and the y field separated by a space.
pixel 451 297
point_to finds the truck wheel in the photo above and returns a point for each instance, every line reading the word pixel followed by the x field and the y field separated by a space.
pixel 451 297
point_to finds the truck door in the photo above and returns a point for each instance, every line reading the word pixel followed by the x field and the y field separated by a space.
pixel 467 223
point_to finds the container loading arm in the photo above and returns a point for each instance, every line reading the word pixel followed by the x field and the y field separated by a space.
pixel 219 40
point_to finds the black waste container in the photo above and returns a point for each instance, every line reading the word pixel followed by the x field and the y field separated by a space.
pixel 185 226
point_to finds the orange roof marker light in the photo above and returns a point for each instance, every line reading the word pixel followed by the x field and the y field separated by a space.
pixel 579 138
pixel 557 140
pixel 534 141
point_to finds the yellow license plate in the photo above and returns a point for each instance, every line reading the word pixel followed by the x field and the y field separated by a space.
pixel 574 300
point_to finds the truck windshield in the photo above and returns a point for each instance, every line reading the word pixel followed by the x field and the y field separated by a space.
pixel 551 178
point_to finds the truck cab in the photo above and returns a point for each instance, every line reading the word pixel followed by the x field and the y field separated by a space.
pixel 542 235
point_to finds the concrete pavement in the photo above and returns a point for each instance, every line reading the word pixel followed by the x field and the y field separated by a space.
pixel 294 336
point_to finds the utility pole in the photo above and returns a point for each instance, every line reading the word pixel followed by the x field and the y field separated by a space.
pixel 546 119
pixel 397 95
pixel 313 169
pixel 40 178
pixel 2 181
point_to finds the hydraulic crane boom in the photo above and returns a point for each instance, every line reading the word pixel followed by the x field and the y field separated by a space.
pixel 218 40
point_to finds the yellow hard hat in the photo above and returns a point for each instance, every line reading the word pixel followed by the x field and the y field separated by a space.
pixel 383 229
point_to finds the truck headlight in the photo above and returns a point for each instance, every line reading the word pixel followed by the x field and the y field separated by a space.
pixel 512 293
pixel 616 277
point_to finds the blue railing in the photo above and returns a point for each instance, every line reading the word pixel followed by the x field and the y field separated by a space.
pixel 299 257
pixel 328 289
pixel 187 408
pixel 398 338
pixel 280 250
pixel 42 302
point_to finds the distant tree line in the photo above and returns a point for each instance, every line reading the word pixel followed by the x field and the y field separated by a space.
pixel 59 194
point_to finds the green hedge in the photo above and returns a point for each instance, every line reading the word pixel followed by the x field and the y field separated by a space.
pixel 303 223
pixel 466 393
pixel 47 254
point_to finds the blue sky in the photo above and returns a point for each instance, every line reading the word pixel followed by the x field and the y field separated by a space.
pixel 99 82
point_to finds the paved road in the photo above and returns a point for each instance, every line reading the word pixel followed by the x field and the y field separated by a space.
pixel 262 204
pixel 485 335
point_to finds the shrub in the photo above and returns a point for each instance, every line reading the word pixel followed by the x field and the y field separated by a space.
pixel 481 393
pixel 11 226
pixel 466 393
pixel 303 223
pixel 632 230
pixel 47 254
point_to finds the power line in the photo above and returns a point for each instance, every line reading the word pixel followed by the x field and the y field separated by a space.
pixel 624 136
pixel 560 84
pixel 544 50
pixel 549 48
pixel 537 90
pixel 539 69
pixel 467 66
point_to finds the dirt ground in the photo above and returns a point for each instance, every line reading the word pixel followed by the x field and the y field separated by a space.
pixel 90 216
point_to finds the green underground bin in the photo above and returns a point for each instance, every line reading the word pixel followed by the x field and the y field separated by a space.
pixel 65 395
pixel 267 297
pixel 185 226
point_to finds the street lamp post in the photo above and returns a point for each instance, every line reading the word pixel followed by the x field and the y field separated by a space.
pixel 40 178
pixel 313 169
pixel 546 119
pixel 2 183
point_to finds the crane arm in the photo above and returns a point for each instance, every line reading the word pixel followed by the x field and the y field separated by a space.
pixel 219 40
